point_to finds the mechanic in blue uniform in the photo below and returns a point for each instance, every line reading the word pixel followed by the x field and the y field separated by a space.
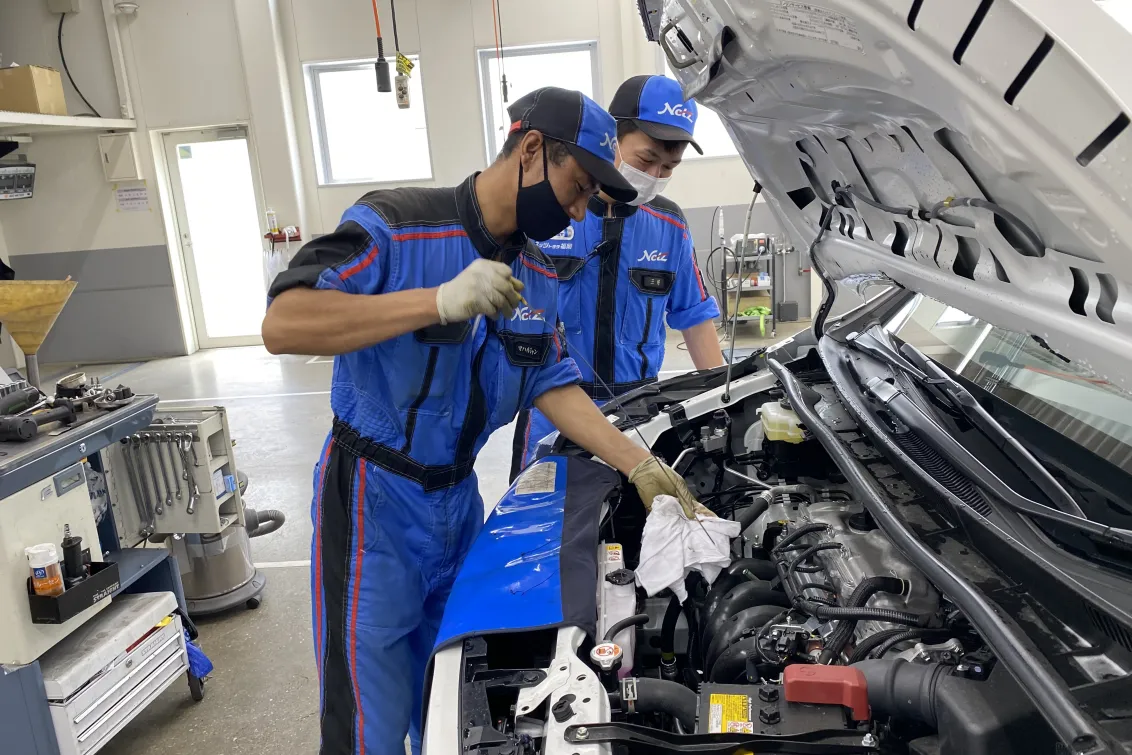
pixel 629 265
pixel 417 295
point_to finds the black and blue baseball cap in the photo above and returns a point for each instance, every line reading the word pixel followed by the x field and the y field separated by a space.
pixel 657 105
pixel 589 133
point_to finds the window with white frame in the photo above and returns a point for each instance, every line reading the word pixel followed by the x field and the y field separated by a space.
pixel 570 66
pixel 710 133
pixel 360 134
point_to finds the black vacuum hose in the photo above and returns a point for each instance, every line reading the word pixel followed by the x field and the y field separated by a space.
pixel 673 698
pixel 732 576
pixel 865 647
pixel 857 599
pixel 747 621
pixel 619 627
pixel 741 597
pixel 668 630
pixel 260 523
pixel 805 529
pixel 869 614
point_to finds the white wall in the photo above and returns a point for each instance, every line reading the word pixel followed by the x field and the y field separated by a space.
pixel 456 29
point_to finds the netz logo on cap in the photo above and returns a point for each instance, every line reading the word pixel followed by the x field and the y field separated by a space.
pixel 527 314
pixel 608 141
pixel 653 256
pixel 677 110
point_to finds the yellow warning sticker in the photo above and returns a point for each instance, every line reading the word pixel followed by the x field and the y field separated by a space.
pixel 730 714
pixel 404 65
pixel 613 554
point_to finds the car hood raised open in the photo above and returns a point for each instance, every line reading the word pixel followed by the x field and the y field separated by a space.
pixel 1022 102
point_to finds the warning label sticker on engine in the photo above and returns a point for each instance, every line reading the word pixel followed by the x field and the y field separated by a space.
pixel 730 714
pixel 537 479
pixel 614 554
pixel 814 22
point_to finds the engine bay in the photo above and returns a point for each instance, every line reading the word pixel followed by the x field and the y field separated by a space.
pixel 820 636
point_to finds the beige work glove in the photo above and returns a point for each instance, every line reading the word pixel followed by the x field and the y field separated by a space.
pixel 482 288
pixel 652 477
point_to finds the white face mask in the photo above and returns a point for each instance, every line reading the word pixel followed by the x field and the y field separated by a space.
pixel 647 186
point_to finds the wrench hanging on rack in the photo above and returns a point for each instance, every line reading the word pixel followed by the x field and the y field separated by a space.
pixel 149 524
pixel 149 439
pixel 146 464
pixel 194 492
pixel 166 454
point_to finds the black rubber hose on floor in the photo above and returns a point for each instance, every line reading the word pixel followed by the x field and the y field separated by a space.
pixel 260 523
pixel 619 627
pixel 741 597
pixel 746 622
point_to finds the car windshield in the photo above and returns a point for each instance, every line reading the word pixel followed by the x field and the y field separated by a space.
pixel 1081 406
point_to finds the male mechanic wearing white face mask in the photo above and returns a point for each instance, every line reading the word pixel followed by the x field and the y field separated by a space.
pixel 626 268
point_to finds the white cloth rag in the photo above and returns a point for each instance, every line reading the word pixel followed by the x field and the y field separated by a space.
pixel 673 546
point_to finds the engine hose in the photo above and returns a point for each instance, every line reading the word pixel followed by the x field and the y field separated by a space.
pixel 866 646
pixel 668 630
pixel 731 666
pixel 673 698
pixel 869 614
pixel 797 565
pixel 695 651
pixel 905 636
pixel 740 597
pixel 260 523
pixel 802 531
pixel 762 502
pixel 733 575
pixel 746 622
pixel 858 598
pixel 621 626
pixel 898 689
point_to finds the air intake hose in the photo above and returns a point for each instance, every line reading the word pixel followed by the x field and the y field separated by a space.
pixel 900 689
pixel 660 696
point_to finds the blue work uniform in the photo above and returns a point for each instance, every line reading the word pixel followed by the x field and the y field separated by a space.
pixel 396 504
pixel 622 271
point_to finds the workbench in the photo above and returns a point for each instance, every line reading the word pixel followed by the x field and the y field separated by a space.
pixel 25 720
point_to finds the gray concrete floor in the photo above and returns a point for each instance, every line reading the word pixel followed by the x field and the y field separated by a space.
pixel 262 697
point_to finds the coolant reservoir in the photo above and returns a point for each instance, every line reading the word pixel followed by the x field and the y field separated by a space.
pixel 618 600
pixel 780 423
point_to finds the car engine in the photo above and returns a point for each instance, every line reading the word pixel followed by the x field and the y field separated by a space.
pixel 818 637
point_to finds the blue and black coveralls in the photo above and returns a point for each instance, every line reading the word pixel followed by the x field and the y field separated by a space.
pixel 396 503
pixel 622 271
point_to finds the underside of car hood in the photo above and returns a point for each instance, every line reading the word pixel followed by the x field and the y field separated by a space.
pixel 910 102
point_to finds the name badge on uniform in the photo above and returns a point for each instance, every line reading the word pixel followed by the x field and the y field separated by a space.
pixel 525 349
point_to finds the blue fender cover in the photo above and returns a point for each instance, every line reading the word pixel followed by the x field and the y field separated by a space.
pixel 534 564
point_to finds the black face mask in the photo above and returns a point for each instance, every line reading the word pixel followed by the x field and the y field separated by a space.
pixel 537 210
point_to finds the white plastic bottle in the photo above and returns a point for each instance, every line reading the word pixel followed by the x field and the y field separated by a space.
pixel 618 595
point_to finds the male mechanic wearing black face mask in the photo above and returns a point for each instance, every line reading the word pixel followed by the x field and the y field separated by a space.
pixel 441 315
pixel 629 264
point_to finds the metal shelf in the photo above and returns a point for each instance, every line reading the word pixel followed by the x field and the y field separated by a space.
pixel 25 124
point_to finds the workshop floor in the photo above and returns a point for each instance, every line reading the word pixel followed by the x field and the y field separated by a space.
pixel 262 698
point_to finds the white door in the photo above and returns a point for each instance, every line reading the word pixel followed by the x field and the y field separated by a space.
pixel 216 197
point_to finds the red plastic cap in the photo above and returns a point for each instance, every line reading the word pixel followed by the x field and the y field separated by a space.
pixel 828 685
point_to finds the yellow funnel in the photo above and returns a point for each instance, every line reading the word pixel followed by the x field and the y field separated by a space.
pixel 28 309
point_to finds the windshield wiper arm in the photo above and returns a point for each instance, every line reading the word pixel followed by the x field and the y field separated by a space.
pixel 961 399
pixel 924 369
pixel 906 410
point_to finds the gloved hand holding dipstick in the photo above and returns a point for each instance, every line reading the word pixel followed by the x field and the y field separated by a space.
pixel 482 288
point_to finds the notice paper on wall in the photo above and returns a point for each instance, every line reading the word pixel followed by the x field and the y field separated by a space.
pixel 132 198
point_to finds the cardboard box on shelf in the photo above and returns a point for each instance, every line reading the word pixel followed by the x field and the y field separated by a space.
pixel 32 89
